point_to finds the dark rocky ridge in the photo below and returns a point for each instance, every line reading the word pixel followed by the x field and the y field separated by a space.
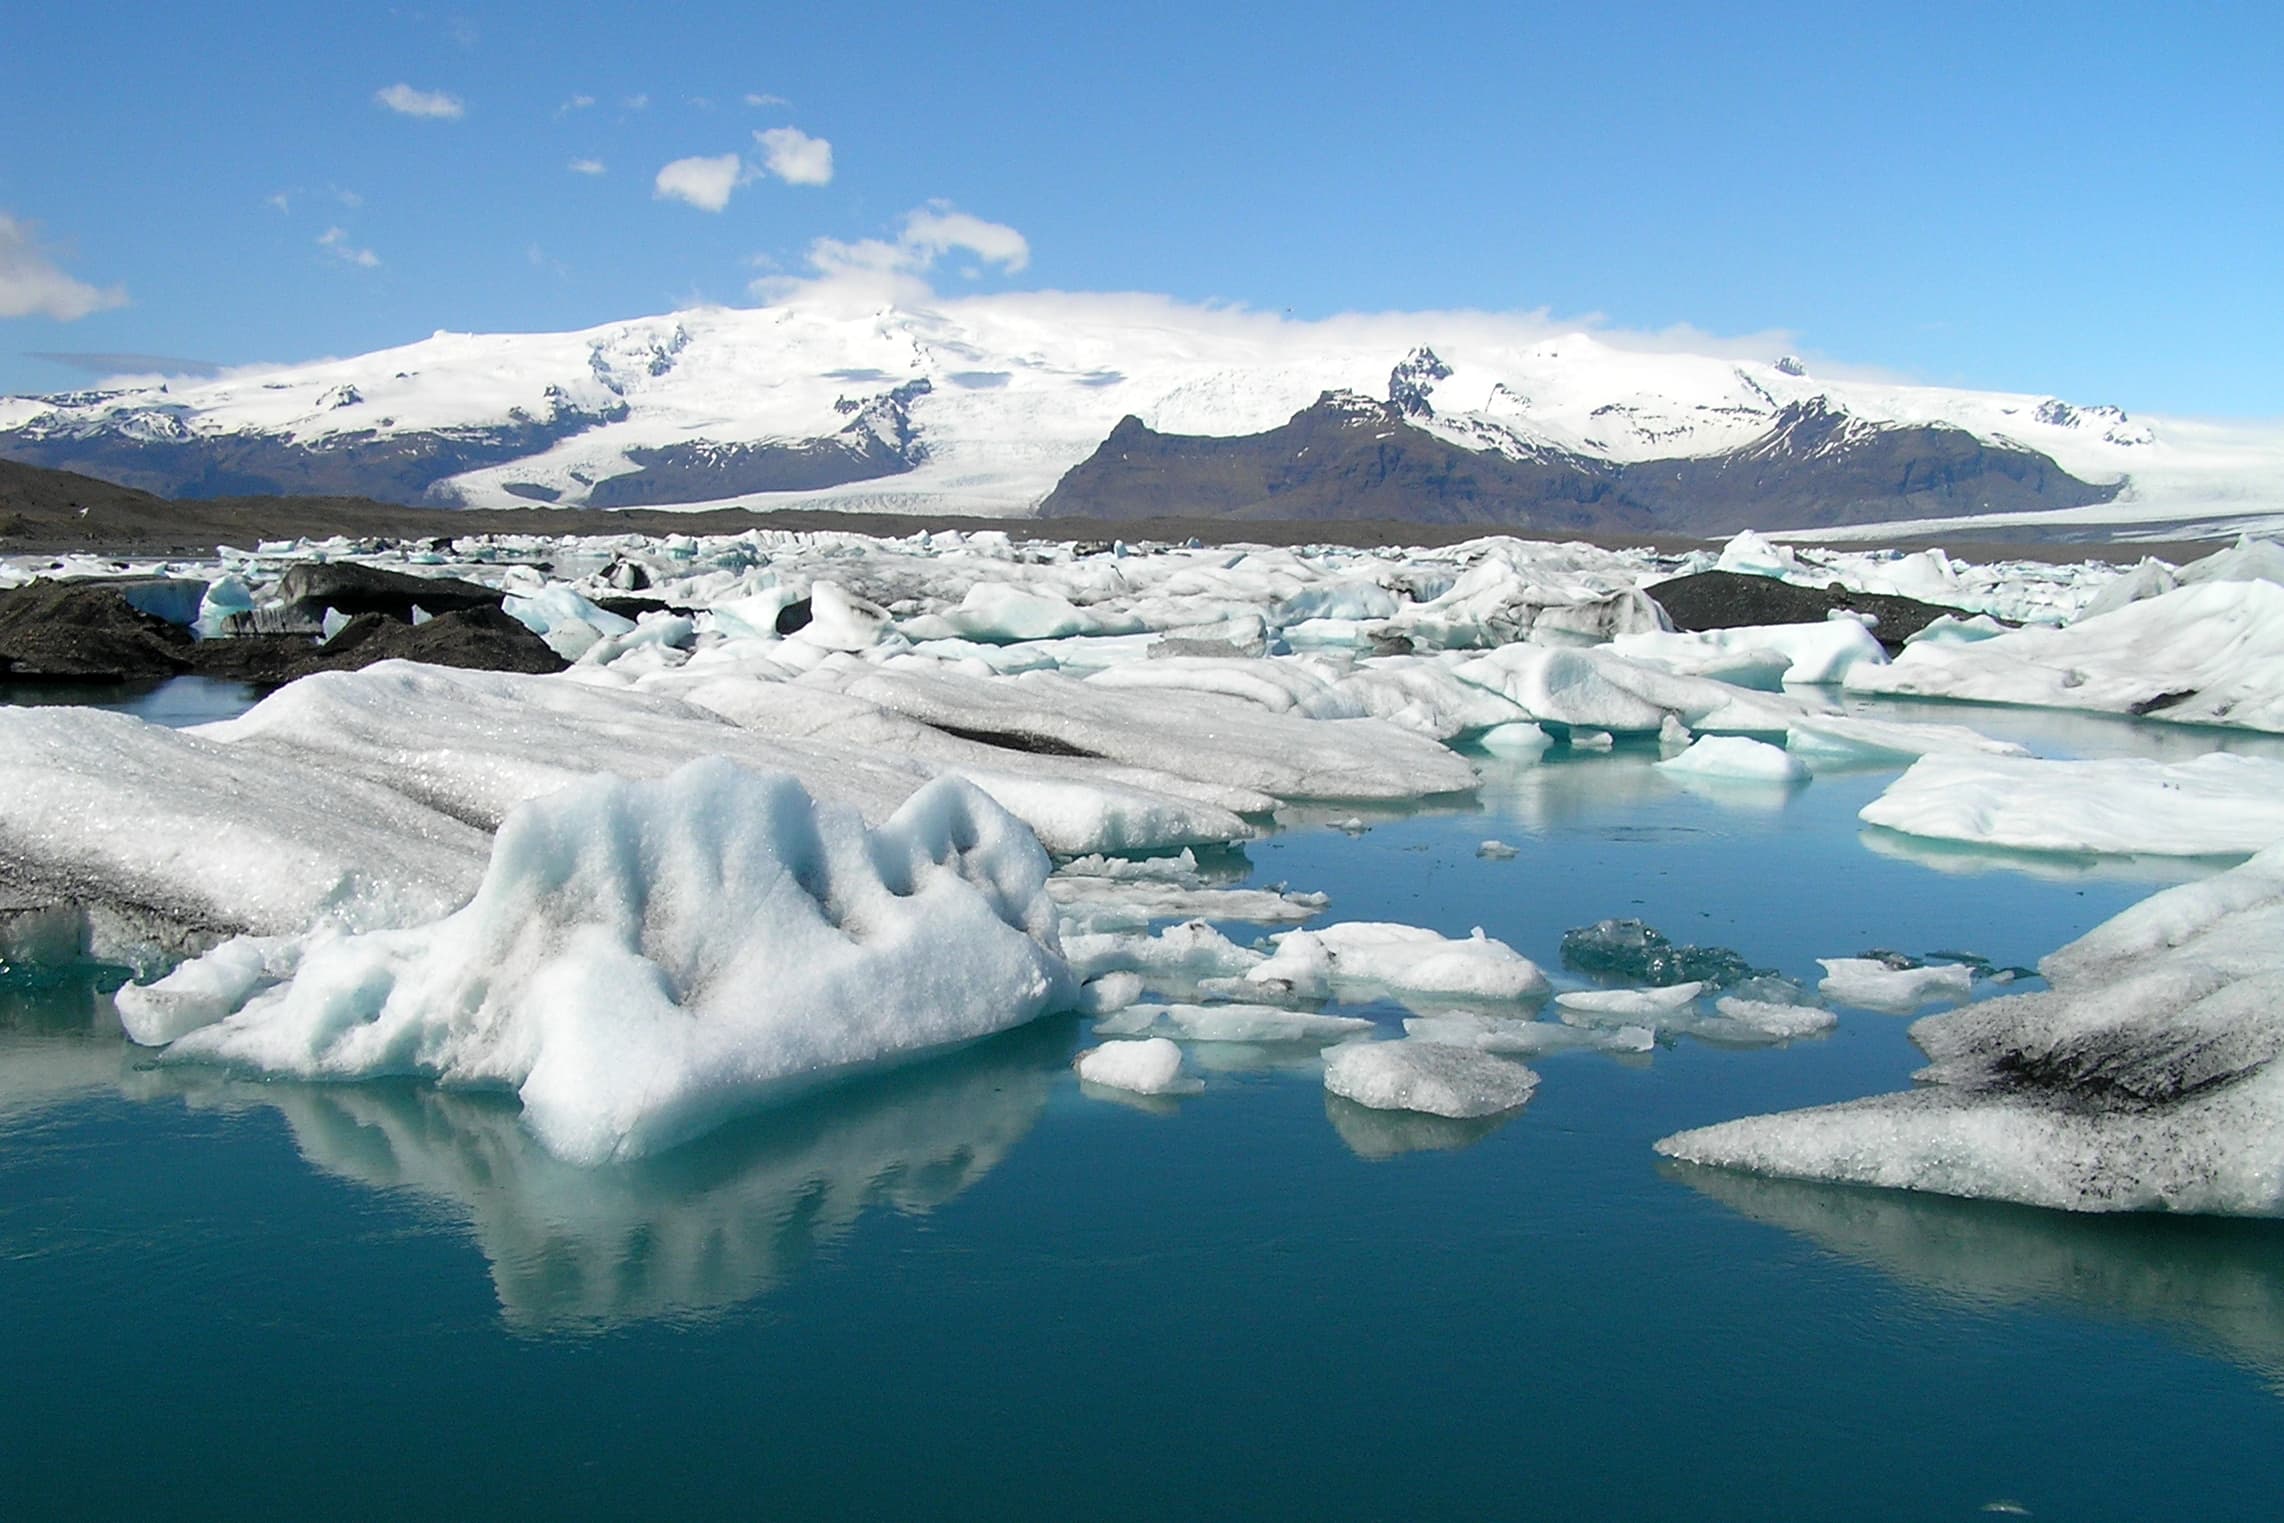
pixel 163 456
pixel 878 440
pixel 1346 456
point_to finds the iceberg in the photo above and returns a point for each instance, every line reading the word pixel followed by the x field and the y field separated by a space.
pixel 2147 1076
pixel 125 838
pixel 2218 804
pixel 643 959
pixel 2207 653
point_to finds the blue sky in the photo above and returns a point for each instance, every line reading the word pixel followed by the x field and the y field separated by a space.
pixel 2084 199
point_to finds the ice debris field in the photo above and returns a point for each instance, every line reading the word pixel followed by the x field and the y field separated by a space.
pixel 803 805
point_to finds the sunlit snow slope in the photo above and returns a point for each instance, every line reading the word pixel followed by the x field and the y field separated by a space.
pixel 982 405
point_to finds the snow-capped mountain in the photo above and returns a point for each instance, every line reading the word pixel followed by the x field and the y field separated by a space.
pixel 987 404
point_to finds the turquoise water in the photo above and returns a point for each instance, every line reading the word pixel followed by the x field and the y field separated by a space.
pixel 969 1290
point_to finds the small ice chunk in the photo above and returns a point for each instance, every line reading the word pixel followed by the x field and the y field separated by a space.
pixel 1192 949
pixel 1497 851
pixel 1411 1075
pixel 1735 758
pixel 1781 1021
pixel 840 620
pixel 1601 1005
pixel 1232 1023
pixel 1109 993
pixel 1631 949
pixel 1152 1066
pixel 1870 983
pixel 1403 959
pixel 1526 1038
pixel 1517 738
pixel 1594 740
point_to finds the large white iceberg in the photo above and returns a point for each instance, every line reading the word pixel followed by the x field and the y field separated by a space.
pixel 2211 653
pixel 645 958
pixel 2148 1076
pixel 140 835
pixel 2218 804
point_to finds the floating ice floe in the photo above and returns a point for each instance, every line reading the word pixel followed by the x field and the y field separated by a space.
pixel 2217 804
pixel 1400 959
pixel 1231 1023
pixel 1599 1006
pixel 2212 653
pixel 1775 1020
pixel 2146 1077
pixel 1101 902
pixel 1873 984
pixel 1759 655
pixel 1150 1066
pixel 1519 1037
pixel 1734 758
pixel 643 959
pixel 1429 1077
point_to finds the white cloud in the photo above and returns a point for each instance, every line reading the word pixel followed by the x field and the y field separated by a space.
pixel 348 198
pixel 32 285
pixel 636 103
pixel 586 166
pixel 335 241
pixel 704 183
pixel 282 200
pixel 756 99
pixel 575 103
pixel 938 229
pixel 795 157
pixel 433 104
pixel 896 268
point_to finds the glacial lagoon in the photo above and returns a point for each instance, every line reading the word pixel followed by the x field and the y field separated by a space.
pixel 974 1288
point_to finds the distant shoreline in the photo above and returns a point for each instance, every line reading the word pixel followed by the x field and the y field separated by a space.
pixel 44 512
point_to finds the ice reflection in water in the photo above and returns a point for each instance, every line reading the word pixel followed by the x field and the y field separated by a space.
pixel 1375 1135
pixel 678 1238
pixel 2217 1282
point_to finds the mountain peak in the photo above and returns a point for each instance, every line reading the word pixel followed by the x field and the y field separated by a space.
pixel 1414 376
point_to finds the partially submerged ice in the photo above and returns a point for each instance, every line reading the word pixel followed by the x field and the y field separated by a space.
pixel 2218 804
pixel 1429 1077
pixel 1146 1066
pixel 2211 653
pixel 119 839
pixel 2148 1076
pixel 643 959
pixel 1630 949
